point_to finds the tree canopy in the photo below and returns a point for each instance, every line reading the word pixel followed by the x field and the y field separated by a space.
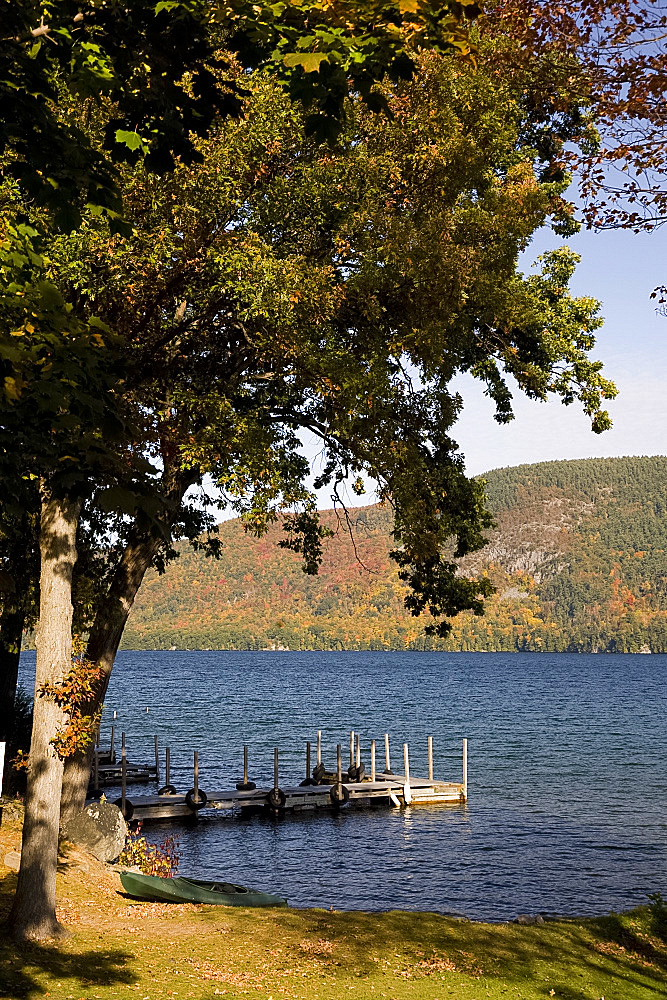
pixel 283 286
pixel 155 76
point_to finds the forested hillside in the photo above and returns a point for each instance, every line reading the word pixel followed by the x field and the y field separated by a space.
pixel 579 560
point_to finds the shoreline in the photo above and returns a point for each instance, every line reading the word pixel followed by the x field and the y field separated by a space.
pixel 119 947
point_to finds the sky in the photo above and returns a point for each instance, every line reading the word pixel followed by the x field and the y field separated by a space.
pixel 621 269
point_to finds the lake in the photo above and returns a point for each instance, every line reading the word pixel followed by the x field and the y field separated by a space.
pixel 567 810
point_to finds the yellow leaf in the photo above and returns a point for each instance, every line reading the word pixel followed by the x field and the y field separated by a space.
pixel 408 6
pixel 310 61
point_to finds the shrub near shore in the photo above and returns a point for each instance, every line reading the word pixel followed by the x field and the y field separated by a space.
pixel 118 947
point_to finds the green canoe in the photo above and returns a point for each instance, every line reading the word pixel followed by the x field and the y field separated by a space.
pixel 191 890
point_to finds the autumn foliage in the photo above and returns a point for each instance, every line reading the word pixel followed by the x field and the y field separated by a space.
pixel 617 54
pixel 74 695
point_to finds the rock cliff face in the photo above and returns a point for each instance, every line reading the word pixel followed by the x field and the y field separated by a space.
pixel 534 538
pixel 578 556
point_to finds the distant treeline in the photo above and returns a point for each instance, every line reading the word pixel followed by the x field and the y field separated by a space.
pixel 579 560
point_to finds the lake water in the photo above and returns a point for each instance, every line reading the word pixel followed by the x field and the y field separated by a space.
pixel 567 810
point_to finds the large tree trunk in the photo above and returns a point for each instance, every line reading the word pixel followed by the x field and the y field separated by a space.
pixel 102 647
pixel 33 914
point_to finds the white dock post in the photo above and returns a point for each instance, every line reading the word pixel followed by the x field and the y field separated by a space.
pixel 372 760
pixel 407 793
pixel 465 770
pixel 123 773
pixel 339 771
pixel 358 751
pixel 386 754
pixel 430 758
pixel 352 748
pixel 319 746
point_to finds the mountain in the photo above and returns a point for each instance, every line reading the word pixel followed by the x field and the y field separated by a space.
pixel 578 557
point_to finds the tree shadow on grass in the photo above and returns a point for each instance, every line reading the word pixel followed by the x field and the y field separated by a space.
pixel 567 955
pixel 23 968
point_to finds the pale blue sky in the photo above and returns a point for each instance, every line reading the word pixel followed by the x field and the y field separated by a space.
pixel 620 269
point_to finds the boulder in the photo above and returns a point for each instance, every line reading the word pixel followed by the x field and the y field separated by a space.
pixel 100 829
pixel 529 918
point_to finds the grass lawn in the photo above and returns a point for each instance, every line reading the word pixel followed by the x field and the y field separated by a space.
pixel 122 948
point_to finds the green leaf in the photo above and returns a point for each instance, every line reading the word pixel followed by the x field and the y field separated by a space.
pixel 131 139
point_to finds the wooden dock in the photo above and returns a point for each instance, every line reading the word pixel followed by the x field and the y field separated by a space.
pixel 333 790
pixel 386 790
pixel 107 770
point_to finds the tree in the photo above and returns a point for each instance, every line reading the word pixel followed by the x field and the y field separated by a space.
pixel 144 99
pixel 284 286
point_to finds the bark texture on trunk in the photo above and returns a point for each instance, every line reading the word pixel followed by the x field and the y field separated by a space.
pixel 33 914
pixel 102 647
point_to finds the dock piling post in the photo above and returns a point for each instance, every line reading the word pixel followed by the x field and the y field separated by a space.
pixel 386 754
pixel 358 752
pixel 430 758
pixel 113 741
pixel 245 785
pixel 407 793
pixel 319 746
pixel 123 773
pixel 465 770
pixel 352 748
pixel 308 761
pixel 195 776
pixel 372 760
pixel 157 763
pixel 339 769
pixel 275 769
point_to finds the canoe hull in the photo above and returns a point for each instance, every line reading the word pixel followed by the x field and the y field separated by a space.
pixel 183 890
